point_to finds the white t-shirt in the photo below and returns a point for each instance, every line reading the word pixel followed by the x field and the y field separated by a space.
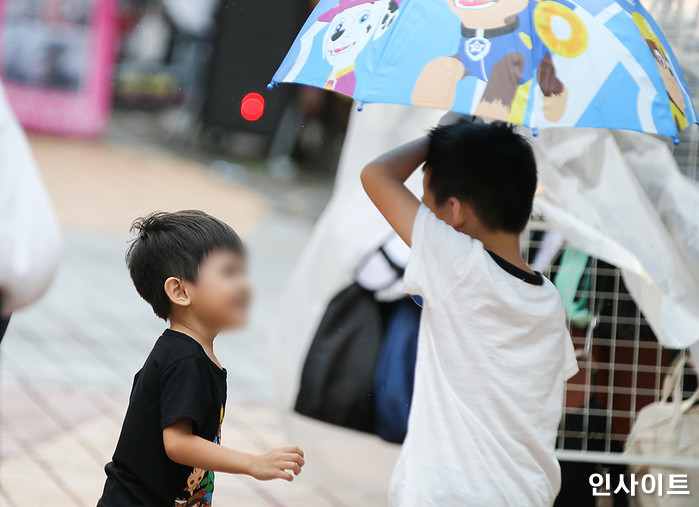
pixel 493 356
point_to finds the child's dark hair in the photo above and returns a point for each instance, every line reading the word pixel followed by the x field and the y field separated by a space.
pixel 489 166
pixel 174 244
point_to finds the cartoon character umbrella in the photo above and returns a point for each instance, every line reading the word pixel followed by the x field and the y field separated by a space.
pixel 539 63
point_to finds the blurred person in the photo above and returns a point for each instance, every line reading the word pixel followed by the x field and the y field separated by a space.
pixel 190 267
pixel 30 239
pixel 494 351
pixel 149 41
pixel 195 18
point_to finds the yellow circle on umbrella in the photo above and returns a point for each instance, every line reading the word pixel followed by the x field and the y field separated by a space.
pixel 546 15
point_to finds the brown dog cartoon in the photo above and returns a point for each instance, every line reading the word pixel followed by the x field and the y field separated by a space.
pixel 497 48
pixel 672 85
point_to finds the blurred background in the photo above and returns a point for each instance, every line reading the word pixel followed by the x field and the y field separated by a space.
pixel 138 105
pixel 133 106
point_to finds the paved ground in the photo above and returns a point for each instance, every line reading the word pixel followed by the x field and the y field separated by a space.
pixel 67 363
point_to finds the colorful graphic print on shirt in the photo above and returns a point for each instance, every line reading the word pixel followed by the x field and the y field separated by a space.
pixel 200 483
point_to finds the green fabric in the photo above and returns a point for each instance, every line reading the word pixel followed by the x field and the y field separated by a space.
pixel 570 279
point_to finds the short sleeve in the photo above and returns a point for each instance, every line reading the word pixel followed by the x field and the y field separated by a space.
pixel 439 257
pixel 185 392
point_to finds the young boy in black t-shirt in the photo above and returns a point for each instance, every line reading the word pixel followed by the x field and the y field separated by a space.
pixel 189 266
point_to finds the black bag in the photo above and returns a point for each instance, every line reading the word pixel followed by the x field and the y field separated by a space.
pixel 337 382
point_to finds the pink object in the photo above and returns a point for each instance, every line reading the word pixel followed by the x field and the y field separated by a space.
pixel 344 84
pixel 328 16
pixel 57 63
pixel 474 3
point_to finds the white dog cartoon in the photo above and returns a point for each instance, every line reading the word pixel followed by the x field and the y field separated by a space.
pixel 349 27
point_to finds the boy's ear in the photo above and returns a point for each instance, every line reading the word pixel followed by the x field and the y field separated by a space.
pixel 176 292
pixel 458 211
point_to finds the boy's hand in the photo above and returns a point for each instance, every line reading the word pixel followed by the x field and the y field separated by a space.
pixel 185 448
pixel 275 463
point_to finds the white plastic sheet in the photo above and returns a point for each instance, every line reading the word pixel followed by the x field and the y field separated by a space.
pixel 349 228
pixel 620 196
pixel 30 240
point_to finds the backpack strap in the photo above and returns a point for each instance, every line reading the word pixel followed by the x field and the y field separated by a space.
pixel 400 271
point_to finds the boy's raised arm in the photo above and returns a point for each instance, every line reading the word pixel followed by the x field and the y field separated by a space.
pixel 384 182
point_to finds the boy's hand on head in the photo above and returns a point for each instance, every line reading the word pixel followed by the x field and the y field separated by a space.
pixel 275 463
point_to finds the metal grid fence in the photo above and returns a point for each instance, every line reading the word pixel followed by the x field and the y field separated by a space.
pixel 622 365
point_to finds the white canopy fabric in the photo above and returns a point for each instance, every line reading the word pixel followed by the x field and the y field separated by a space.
pixel 620 196
pixel 30 240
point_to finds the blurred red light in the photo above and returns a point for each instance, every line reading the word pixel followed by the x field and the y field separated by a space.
pixel 252 106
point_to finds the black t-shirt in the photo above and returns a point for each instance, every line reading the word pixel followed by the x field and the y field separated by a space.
pixel 178 380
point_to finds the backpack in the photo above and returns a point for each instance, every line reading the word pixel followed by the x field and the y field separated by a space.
pixel 395 371
pixel 337 380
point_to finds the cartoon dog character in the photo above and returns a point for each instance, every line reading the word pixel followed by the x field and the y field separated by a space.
pixel 672 84
pixel 352 24
pixel 497 48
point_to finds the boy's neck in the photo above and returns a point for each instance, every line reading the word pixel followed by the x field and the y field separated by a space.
pixel 505 245
pixel 197 331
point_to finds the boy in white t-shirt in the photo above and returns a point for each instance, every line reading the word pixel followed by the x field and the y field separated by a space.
pixel 494 351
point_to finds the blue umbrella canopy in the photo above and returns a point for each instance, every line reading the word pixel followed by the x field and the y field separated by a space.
pixel 538 63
